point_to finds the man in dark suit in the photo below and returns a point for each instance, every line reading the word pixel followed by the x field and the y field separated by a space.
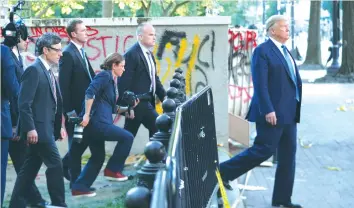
pixel 75 75
pixel 275 107
pixel 17 148
pixel 9 89
pixel 140 77
pixel 40 109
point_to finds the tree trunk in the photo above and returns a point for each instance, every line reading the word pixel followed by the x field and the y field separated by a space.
pixel 178 6
pixel 347 66
pixel 313 53
pixel 107 8
pixel 146 7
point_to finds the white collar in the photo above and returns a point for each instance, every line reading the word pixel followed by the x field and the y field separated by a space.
pixel 277 43
pixel 45 63
pixel 144 49
pixel 78 46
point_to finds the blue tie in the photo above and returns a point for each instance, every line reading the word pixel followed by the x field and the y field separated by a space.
pixel 291 70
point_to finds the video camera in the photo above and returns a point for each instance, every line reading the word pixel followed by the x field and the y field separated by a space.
pixel 13 31
pixel 78 129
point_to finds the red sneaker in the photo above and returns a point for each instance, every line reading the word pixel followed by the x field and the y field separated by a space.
pixel 76 193
pixel 114 176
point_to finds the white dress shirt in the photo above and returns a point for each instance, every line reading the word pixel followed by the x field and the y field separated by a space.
pixel 279 46
pixel 151 67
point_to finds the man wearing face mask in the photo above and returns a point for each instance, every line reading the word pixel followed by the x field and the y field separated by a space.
pixel 17 147
pixel 9 89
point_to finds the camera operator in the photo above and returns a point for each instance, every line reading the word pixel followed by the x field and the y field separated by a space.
pixel 100 104
pixel 9 89
pixel 15 37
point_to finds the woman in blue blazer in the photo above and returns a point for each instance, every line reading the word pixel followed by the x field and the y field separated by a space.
pixel 100 104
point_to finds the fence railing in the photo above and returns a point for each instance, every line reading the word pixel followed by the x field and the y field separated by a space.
pixel 189 180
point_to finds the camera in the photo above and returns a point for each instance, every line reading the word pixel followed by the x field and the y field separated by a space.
pixel 78 129
pixel 129 98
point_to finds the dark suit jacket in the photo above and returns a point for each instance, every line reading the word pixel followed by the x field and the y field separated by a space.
pixel 37 105
pixel 9 89
pixel 136 77
pixel 274 90
pixel 73 78
pixel 103 91
pixel 14 100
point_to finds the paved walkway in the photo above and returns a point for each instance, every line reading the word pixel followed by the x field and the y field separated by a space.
pixel 325 157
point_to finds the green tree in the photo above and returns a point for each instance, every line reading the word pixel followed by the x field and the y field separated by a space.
pixel 46 9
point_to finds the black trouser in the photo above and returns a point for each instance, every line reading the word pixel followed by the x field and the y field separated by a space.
pixel 47 153
pixel 145 114
pixel 17 151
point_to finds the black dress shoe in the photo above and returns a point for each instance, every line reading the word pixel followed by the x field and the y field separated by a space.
pixel 287 205
pixel 41 204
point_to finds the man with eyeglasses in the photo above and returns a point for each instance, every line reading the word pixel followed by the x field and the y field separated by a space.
pixel 75 75
pixel 40 123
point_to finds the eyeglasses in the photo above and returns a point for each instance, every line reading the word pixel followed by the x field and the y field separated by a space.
pixel 55 49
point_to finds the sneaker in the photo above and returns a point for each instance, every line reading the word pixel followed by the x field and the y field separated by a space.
pixel 114 176
pixel 78 193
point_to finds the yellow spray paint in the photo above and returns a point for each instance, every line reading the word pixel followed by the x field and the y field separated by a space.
pixel 191 64
pixel 169 64
pixel 181 52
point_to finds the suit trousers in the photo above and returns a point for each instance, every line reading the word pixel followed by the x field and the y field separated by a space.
pixel 42 152
pixel 17 151
pixel 269 139
pixel 4 157
pixel 96 134
pixel 72 159
pixel 145 114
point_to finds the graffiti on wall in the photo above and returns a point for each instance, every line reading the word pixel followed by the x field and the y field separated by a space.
pixel 175 49
pixel 241 45
pixel 193 53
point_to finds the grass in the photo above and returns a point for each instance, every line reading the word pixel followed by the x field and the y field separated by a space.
pixel 119 201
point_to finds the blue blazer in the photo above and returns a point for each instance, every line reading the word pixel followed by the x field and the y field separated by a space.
pixel 9 89
pixel 103 91
pixel 274 90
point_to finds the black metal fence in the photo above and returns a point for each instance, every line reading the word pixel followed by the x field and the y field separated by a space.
pixel 189 180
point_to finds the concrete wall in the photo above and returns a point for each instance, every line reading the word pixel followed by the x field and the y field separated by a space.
pixel 199 45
